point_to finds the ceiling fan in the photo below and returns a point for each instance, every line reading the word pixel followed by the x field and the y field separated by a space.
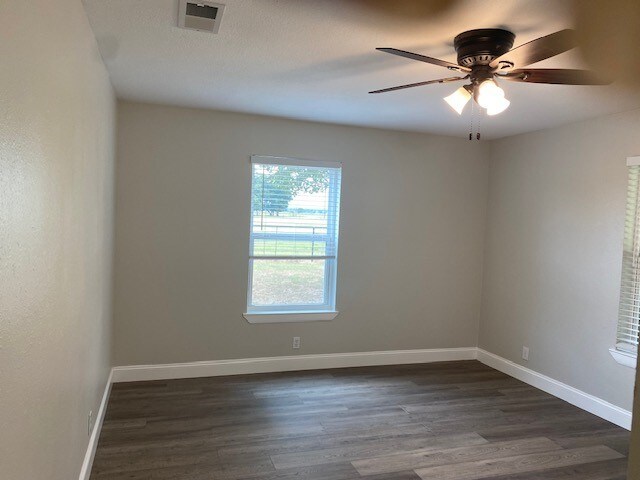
pixel 485 55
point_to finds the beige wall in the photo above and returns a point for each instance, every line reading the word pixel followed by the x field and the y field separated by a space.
pixel 56 173
pixel 413 209
pixel 554 248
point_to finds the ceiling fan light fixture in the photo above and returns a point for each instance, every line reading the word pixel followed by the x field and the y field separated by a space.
pixel 458 99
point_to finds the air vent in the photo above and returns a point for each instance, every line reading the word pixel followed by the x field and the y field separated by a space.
pixel 199 15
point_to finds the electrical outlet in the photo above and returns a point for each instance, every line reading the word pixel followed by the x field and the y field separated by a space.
pixel 90 422
pixel 296 342
pixel 525 353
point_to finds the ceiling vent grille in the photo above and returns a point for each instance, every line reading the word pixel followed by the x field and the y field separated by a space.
pixel 199 15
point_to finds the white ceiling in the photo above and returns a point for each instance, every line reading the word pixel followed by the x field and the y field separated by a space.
pixel 315 60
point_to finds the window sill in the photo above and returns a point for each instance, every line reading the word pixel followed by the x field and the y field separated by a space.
pixel 623 358
pixel 287 317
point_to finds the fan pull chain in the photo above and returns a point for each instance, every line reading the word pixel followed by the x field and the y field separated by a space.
pixel 471 122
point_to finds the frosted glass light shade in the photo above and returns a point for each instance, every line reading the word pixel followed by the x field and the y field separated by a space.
pixel 488 93
pixel 497 106
pixel 491 97
pixel 458 99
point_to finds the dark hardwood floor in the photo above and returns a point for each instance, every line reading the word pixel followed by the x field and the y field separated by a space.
pixel 446 421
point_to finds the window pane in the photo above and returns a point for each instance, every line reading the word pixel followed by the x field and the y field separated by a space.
pixel 288 282
pixel 294 205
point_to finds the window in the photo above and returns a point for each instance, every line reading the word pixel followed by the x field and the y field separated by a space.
pixel 293 246
pixel 629 312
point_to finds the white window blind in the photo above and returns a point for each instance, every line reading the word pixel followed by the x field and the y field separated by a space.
pixel 293 248
pixel 629 312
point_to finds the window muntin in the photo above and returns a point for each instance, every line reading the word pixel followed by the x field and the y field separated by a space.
pixel 293 248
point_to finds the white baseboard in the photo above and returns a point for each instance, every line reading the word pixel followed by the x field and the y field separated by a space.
pixel 290 363
pixel 583 400
pixel 87 463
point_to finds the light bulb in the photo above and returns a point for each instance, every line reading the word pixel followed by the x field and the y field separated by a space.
pixel 458 99
pixel 491 97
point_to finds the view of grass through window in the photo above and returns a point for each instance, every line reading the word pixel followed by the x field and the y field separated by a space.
pixel 287 282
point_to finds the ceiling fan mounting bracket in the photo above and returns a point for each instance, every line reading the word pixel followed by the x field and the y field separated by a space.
pixel 480 73
pixel 481 46
pixel 505 65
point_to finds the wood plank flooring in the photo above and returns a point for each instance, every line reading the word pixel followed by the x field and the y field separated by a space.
pixel 445 421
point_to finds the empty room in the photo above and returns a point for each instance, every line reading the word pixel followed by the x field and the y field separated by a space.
pixel 319 239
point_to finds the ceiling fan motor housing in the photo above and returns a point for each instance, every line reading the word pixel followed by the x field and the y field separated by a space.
pixel 481 46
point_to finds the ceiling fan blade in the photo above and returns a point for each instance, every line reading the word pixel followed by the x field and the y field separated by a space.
pixel 557 76
pixel 419 84
pixel 538 49
pixel 422 58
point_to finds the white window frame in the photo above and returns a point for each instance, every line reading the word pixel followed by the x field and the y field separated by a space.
pixel 622 352
pixel 299 313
